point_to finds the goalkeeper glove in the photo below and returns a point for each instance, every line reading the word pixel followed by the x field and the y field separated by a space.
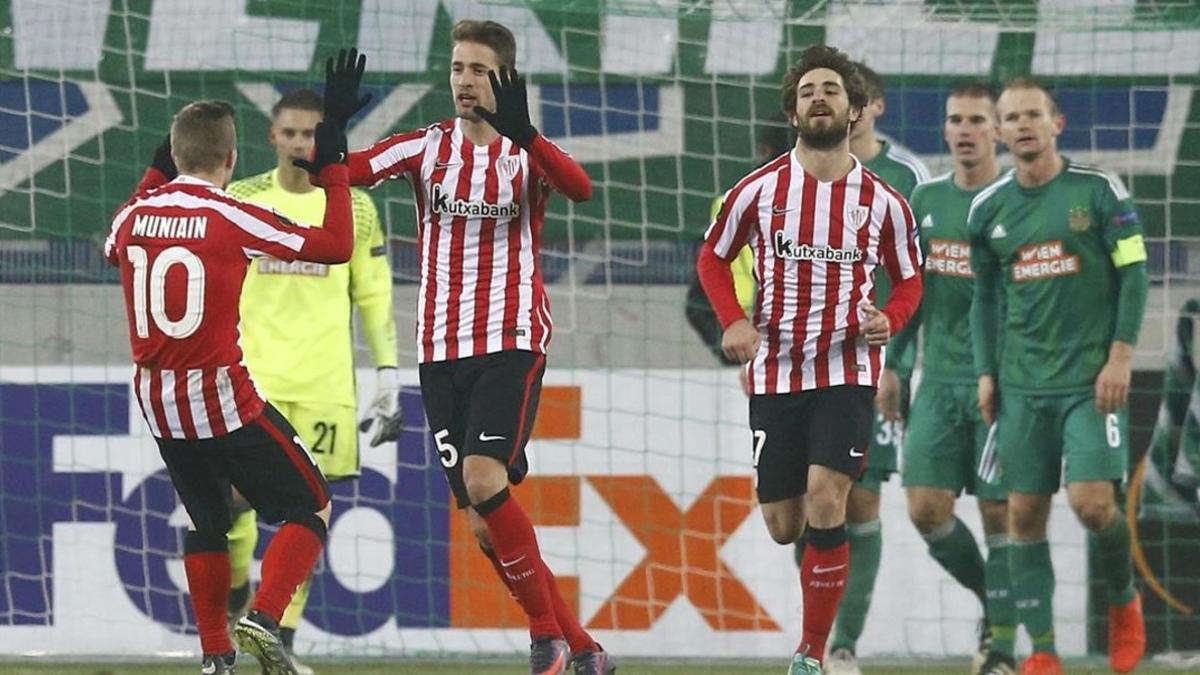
pixel 330 148
pixel 343 74
pixel 511 118
pixel 163 160
pixel 384 418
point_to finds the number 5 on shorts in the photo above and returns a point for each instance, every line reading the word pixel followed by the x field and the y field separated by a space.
pixel 446 451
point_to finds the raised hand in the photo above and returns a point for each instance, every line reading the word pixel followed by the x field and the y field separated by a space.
pixel 343 74
pixel 330 148
pixel 511 117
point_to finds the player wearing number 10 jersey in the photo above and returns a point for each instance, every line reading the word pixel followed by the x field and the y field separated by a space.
pixel 481 181
pixel 182 247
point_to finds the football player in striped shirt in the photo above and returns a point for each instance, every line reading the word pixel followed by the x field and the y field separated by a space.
pixel 297 334
pixel 903 171
pixel 819 224
pixel 1062 241
pixel 182 245
pixel 482 180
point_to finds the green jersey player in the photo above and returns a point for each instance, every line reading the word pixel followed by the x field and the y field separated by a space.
pixel 903 171
pixel 1061 243
pixel 946 435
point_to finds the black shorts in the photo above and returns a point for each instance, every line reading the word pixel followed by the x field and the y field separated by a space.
pixel 830 427
pixel 264 460
pixel 482 405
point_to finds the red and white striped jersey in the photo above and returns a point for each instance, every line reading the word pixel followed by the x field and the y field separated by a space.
pixel 182 250
pixel 816 248
pixel 479 217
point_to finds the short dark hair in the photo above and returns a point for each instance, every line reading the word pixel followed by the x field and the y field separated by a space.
pixel 490 34
pixel 824 56
pixel 1030 82
pixel 299 99
pixel 202 135
pixel 974 89
pixel 872 79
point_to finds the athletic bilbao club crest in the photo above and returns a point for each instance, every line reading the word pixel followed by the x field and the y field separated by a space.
pixel 1078 219
pixel 857 216
pixel 509 166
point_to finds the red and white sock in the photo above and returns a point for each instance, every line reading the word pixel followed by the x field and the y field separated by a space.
pixel 576 635
pixel 521 562
pixel 822 579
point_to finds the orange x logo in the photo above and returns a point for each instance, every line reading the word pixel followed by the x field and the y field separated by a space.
pixel 682 555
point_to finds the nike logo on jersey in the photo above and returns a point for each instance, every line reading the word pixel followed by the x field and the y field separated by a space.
pixel 817 569
pixel 510 563
pixel 780 212
pixel 855 453
pixel 998 232
pixel 484 438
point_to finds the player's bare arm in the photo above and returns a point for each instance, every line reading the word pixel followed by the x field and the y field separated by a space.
pixel 1112 384
pixel 887 397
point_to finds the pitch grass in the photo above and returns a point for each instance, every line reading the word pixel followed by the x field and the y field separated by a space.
pixel 632 667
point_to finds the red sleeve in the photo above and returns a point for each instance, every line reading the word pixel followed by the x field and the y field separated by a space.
pixel 901 252
pixel 266 232
pixel 333 242
pixel 559 169
pixel 393 156
pixel 906 296
pixel 725 238
pixel 717 280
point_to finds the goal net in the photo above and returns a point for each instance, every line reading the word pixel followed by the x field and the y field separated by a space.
pixel 642 488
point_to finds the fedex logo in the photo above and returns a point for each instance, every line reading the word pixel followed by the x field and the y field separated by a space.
pixel 73 455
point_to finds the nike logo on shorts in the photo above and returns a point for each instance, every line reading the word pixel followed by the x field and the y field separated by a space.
pixel 855 452
pixel 510 563
pixel 484 438
pixel 817 569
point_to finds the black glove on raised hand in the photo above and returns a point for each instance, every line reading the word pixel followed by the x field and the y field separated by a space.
pixel 163 160
pixel 330 148
pixel 343 74
pixel 511 118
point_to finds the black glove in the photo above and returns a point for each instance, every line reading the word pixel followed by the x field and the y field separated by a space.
pixel 343 74
pixel 330 148
pixel 163 160
pixel 511 118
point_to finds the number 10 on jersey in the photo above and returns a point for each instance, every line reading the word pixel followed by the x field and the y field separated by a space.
pixel 155 278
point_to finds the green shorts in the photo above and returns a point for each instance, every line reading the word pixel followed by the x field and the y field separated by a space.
pixel 330 432
pixel 1039 435
pixel 945 440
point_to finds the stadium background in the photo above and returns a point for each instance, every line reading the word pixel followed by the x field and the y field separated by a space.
pixel 643 493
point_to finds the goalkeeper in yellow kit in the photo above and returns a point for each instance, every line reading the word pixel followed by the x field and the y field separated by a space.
pixel 297 332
